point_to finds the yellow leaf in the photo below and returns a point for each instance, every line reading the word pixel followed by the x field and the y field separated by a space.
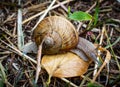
pixel 64 65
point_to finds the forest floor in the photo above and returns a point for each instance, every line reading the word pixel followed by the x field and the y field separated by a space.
pixel 18 71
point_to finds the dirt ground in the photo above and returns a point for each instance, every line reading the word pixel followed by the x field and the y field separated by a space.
pixel 17 71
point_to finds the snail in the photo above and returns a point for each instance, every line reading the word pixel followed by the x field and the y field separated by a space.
pixel 57 34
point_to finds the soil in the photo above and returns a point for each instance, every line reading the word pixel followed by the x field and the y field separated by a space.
pixel 17 71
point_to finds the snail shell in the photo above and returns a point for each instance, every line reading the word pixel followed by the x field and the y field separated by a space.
pixel 56 33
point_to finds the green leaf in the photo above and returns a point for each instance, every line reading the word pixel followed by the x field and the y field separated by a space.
pixel 80 16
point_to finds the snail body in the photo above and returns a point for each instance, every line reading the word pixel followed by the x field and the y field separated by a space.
pixel 57 35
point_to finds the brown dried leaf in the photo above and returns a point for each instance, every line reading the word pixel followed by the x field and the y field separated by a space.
pixel 64 65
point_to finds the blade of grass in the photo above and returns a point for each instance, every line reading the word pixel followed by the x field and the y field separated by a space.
pixel 19 28
pixel 96 14
pixel 112 51
pixel 108 46
pixel 88 79
pixel 3 75
pixel 84 79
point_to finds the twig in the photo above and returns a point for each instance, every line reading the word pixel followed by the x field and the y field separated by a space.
pixel 107 59
pixel 14 30
pixel 19 52
pixel 9 18
pixel 111 33
pixel 8 40
pixel 62 5
pixel 67 81
pixel 55 6
pixel 38 7
pixel 38 62
pixel 28 78
pixel 91 7
pixel 6 31
pixel 107 76
pixel 40 47
pixel 46 11
pixel 101 39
